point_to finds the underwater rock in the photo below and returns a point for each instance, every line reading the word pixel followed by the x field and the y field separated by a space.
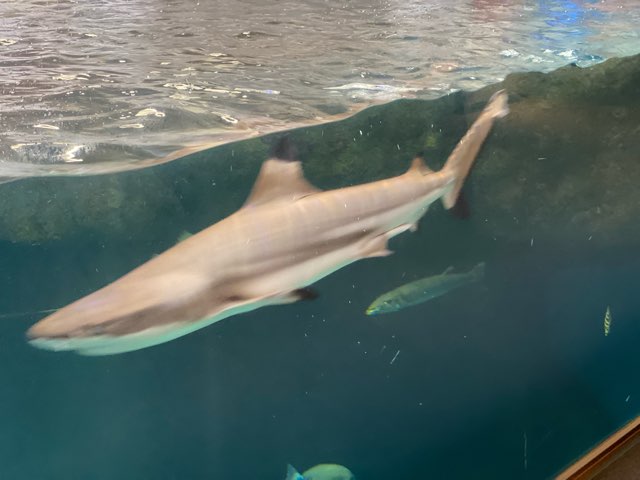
pixel 564 167
pixel 39 209
pixel 141 204
pixel 560 168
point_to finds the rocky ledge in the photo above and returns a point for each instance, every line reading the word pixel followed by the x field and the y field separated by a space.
pixel 562 167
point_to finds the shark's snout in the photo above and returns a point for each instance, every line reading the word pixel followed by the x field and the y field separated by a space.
pixel 73 321
pixel 50 334
pixel 49 327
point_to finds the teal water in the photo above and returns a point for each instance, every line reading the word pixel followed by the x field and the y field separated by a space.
pixel 523 354
pixel 509 378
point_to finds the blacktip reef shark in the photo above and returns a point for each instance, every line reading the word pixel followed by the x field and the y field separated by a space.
pixel 286 236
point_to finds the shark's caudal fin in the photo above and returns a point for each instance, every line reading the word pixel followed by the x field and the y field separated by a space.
pixel 459 162
pixel 292 474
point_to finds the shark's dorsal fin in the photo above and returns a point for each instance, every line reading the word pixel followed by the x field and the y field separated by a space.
pixel 418 166
pixel 280 178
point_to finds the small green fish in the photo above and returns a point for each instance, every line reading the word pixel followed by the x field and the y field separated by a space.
pixel 325 471
pixel 607 321
pixel 423 290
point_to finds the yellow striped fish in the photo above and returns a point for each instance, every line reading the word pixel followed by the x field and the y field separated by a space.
pixel 607 321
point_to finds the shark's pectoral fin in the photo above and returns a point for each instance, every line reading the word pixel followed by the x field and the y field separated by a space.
pixel 305 293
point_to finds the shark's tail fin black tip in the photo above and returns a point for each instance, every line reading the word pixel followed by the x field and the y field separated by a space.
pixel 461 209
pixel 284 150
pixel 461 159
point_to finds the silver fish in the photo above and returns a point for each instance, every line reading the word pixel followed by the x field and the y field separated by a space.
pixel 287 236
pixel 423 290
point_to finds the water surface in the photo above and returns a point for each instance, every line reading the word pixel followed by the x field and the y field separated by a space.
pixel 125 81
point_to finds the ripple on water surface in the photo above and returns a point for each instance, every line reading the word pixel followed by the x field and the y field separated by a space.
pixel 147 80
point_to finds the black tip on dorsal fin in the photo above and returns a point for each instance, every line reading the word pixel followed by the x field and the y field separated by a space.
pixel 284 150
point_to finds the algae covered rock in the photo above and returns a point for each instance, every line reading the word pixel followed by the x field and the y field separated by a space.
pixel 38 210
pixel 193 192
pixel 562 167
